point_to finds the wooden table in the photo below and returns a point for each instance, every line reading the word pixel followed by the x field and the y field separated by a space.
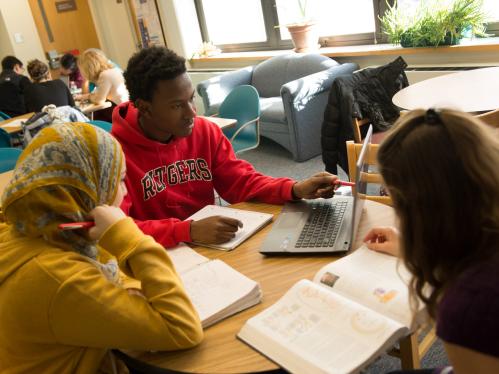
pixel 221 351
pixel 469 91
pixel 221 122
pixel 4 179
pixel 17 128
pixel 90 108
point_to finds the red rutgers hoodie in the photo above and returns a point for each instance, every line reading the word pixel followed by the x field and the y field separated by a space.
pixel 169 182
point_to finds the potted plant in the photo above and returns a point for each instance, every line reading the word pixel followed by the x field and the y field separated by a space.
pixel 433 23
pixel 303 31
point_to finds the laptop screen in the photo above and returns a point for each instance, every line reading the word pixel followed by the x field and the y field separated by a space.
pixel 360 185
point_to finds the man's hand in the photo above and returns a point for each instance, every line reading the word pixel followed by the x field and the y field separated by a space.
pixel 384 239
pixel 318 185
pixel 214 230
pixel 104 217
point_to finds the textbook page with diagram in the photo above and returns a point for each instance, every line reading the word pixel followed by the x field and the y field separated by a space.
pixel 252 222
pixel 355 309
pixel 216 290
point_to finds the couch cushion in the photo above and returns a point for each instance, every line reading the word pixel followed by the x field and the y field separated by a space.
pixel 272 110
pixel 270 75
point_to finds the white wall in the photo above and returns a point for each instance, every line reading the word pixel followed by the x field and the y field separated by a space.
pixel 17 18
pixel 115 30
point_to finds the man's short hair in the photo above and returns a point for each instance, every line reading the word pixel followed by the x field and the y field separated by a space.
pixel 9 62
pixel 148 67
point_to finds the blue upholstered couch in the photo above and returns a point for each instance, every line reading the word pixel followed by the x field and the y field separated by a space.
pixel 293 91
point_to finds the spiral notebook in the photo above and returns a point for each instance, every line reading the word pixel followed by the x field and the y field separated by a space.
pixel 252 222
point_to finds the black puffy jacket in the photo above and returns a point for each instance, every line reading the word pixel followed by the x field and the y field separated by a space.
pixel 364 94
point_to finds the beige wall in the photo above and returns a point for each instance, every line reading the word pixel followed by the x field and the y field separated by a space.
pixel 5 44
pixel 16 18
pixel 115 29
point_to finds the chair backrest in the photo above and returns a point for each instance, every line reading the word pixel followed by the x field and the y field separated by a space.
pixel 104 125
pixel 8 158
pixel 490 118
pixel 270 75
pixel 5 140
pixel 353 152
pixel 242 104
pixel 4 116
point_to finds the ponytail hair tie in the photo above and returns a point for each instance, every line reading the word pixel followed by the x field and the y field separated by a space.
pixel 432 117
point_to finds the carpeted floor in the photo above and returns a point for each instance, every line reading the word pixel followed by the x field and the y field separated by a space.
pixel 272 159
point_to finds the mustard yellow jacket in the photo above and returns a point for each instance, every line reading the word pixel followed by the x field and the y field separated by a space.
pixel 59 314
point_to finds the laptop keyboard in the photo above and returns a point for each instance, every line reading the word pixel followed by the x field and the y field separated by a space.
pixel 322 225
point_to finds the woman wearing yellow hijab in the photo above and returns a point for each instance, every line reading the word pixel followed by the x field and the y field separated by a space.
pixel 61 309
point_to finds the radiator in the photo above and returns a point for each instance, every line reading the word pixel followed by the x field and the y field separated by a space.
pixel 419 73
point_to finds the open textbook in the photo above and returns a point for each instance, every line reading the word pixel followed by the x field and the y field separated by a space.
pixel 252 222
pixel 355 309
pixel 215 289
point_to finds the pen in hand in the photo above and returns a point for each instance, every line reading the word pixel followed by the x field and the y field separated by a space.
pixel 343 183
pixel 76 225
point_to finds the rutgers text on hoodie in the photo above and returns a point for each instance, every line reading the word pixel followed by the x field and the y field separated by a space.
pixel 169 182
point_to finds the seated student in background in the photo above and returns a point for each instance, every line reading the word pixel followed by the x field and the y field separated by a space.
pixel 176 160
pixel 442 172
pixel 110 85
pixel 69 68
pixel 62 310
pixel 45 90
pixel 12 86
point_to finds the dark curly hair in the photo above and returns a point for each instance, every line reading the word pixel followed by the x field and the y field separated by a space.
pixel 9 62
pixel 149 66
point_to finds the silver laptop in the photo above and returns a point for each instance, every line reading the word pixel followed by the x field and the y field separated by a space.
pixel 322 225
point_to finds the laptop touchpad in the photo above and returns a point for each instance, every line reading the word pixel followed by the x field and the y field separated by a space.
pixel 289 220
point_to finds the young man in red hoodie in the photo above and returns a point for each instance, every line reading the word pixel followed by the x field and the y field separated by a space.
pixel 175 160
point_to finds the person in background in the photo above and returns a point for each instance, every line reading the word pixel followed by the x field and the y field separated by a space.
pixel 441 170
pixel 63 308
pixel 45 90
pixel 12 86
pixel 176 160
pixel 109 81
pixel 69 68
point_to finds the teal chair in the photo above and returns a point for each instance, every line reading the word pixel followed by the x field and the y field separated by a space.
pixel 4 116
pixel 5 140
pixel 8 158
pixel 104 125
pixel 242 104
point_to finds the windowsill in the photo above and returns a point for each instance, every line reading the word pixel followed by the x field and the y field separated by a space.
pixel 474 45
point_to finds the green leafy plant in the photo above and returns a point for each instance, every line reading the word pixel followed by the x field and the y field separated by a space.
pixel 434 23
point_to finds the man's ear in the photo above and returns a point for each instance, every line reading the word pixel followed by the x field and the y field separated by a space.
pixel 144 107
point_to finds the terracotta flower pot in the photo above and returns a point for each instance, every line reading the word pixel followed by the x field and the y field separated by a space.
pixel 305 37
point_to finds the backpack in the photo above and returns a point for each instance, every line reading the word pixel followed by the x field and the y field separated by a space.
pixel 34 124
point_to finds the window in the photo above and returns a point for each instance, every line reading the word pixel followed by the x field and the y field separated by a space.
pixel 252 23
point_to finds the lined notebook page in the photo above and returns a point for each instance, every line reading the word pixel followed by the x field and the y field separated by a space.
pixel 252 222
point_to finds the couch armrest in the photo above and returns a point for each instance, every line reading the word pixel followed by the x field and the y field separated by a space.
pixel 214 90
pixel 314 84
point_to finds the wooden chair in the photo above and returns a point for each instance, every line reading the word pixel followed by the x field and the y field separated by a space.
pixel 411 350
pixel 353 152
pixel 490 118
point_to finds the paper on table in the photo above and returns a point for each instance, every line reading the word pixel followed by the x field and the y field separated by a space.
pixel 252 222
pixel 15 123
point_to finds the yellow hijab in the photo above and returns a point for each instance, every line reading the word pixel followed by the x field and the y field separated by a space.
pixel 65 171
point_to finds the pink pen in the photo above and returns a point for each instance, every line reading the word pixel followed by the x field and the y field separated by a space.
pixel 76 225
pixel 343 183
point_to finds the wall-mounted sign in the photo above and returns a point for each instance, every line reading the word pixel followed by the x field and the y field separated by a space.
pixel 65 6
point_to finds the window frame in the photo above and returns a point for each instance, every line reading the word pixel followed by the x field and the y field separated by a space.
pixel 274 41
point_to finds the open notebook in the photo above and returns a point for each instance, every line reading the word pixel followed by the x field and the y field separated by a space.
pixel 252 222
pixel 354 309
pixel 216 290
